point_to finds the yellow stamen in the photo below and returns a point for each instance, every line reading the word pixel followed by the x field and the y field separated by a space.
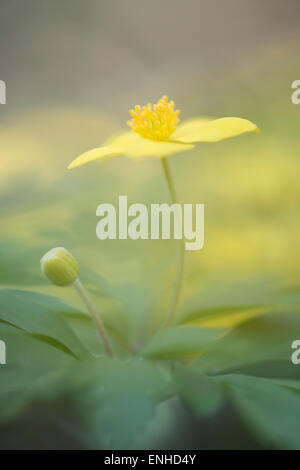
pixel 155 121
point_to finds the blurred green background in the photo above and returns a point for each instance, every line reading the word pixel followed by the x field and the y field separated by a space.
pixel 73 69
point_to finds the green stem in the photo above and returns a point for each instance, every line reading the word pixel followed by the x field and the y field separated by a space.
pixel 94 314
pixel 169 317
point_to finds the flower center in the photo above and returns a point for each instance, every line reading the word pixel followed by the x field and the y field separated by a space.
pixel 155 121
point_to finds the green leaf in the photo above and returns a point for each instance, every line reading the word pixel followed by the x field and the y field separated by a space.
pixel 287 383
pixel 223 316
pixel 237 298
pixel 33 369
pixel 271 411
pixel 37 314
pixel 275 369
pixel 118 399
pixel 179 342
pixel 222 295
pixel 84 327
pixel 203 394
pixel 265 338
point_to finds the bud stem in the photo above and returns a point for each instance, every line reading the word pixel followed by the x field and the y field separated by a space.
pixel 94 314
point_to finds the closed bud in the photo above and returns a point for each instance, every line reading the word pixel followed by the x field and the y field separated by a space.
pixel 60 266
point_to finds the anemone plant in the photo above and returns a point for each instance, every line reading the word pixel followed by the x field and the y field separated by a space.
pixel 221 368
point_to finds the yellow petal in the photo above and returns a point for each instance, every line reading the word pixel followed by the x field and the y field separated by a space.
pixel 131 145
pixel 124 139
pixel 134 146
pixel 189 126
pixel 155 148
pixel 205 130
pixel 95 154
pixel 115 145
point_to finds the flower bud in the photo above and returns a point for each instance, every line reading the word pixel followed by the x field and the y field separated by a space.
pixel 60 266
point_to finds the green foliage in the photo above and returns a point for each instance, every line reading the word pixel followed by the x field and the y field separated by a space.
pixel 265 338
pixel 230 348
pixel 119 400
pixel 271 411
pixel 179 342
pixel 35 369
pixel 38 314
pixel 201 393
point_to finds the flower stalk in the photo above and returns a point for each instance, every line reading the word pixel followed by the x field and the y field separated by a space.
pixel 82 292
pixel 169 316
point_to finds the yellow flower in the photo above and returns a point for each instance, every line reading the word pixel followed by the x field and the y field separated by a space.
pixel 155 133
